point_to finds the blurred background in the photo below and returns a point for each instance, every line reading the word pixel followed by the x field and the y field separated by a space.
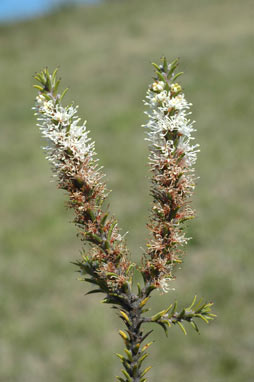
pixel 49 330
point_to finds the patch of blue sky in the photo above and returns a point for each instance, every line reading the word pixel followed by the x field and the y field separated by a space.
pixel 11 10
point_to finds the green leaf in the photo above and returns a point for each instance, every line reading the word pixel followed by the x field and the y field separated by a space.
pixel 112 274
pixel 134 370
pixel 125 317
pixel 107 244
pixel 139 289
pixel 163 325
pixel 93 237
pixel 143 302
pixel 145 347
pixel 111 230
pixel 63 94
pixel 128 353
pixel 182 327
pixel 95 291
pixel 127 375
pixel 38 78
pixel 120 356
pixel 91 214
pixel 156 66
pixel 202 317
pixel 173 65
pixel 149 289
pixel 53 77
pixel 45 95
pixel 91 281
pixel 161 77
pixel 38 87
pixel 165 64
pixel 103 220
pixel 142 359
pixel 173 309
pixel 57 83
pixel 158 315
pixel 177 75
pixel 120 379
pixel 146 371
pixel 198 304
pixel 201 308
pixel 146 335
pixel 195 326
pixel 131 266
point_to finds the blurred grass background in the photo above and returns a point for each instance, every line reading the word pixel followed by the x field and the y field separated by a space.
pixel 49 331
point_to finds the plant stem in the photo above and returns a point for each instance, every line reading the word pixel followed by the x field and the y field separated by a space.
pixel 135 354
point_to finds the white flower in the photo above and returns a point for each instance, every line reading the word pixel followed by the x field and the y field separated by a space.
pixel 162 124
pixel 158 86
pixel 179 238
pixel 40 99
pixel 162 96
pixel 190 152
pixel 60 126
pixel 180 123
pixel 179 102
pixel 165 285
pixel 44 106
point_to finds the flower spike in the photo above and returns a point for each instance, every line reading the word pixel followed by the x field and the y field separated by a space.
pixel 72 155
pixel 172 157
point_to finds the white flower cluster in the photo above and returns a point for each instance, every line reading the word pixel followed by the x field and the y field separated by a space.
pixel 168 118
pixel 165 285
pixel 172 159
pixel 61 127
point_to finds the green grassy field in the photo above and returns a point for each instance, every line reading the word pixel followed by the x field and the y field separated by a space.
pixel 49 331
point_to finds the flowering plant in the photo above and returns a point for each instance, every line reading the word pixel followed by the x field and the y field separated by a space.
pixel 106 265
